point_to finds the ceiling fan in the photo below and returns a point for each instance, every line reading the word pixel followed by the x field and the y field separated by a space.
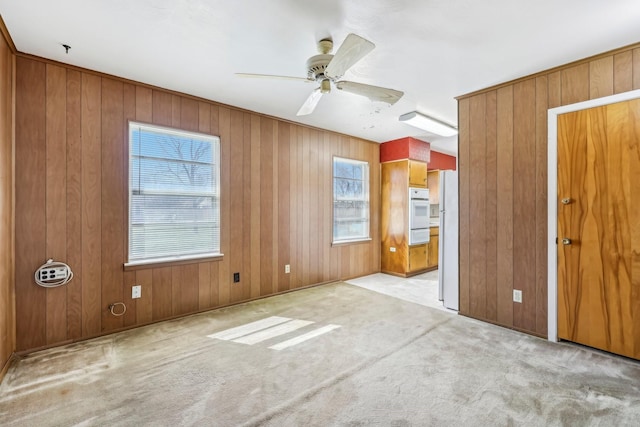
pixel 326 69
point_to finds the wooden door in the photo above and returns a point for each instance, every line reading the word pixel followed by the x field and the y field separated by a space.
pixel 599 268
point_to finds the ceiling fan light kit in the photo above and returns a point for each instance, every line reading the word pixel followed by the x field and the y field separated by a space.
pixel 428 124
pixel 326 69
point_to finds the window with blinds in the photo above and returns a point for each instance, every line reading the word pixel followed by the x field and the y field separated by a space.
pixel 174 194
pixel 350 200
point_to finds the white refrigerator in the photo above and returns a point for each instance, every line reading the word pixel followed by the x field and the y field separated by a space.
pixel 448 243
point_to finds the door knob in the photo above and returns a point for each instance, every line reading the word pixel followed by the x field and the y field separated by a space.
pixel 566 241
pixel 566 201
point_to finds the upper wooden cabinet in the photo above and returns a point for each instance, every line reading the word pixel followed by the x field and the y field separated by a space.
pixel 433 182
pixel 417 174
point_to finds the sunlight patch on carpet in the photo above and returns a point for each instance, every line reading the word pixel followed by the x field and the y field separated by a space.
pixel 270 328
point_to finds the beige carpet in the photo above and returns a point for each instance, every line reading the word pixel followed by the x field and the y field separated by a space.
pixel 381 361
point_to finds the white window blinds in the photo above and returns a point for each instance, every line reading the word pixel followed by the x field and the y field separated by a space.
pixel 350 200
pixel 174 194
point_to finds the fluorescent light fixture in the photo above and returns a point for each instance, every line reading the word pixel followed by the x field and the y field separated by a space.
pixel 427 123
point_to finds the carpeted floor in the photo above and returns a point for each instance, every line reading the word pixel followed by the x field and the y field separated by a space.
pixel 334 355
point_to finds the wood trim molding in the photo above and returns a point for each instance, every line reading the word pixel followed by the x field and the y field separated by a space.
pixel 550 70
pixel 7 365
pixel 504 325
pixel 160 264
pixel 7 36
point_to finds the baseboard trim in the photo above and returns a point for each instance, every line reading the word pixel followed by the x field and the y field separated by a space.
pixel 7 365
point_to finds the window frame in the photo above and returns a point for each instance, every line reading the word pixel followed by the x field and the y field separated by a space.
pixel 216 174
pixel 367 183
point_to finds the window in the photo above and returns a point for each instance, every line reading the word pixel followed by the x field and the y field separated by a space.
pixel 174 194
pixel 350 200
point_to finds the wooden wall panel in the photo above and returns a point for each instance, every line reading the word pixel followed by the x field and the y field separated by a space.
pixel 74 203
pixel 284 182
pixel 376 206
pixel 225 274
pixel 314 206
pixel 554 89
pixel 504 208
pixel 204 285
pixel 276 205
pixel 246 207
pixel 491 206
pixel 266 204
pixel 541 205
pixel 294 202
pixel 575 84
pixel 144 305
pixel 524 213
pixel 30 220
pixel 112 200
pixel 236 200
pixel 254 160
pixel 477 205
pixel 521 171
pixel 55 195
pixel 161 296
pixel 463 206
pixel 304 209
pixel 7 185
pixel 636 69
pixel 92 304
pixel 129 277
pixel 601 77
pixel 623 72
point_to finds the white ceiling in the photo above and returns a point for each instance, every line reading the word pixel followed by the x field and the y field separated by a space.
pixel 433 50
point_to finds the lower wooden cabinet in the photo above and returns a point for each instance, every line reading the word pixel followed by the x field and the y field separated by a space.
pixel 414 259
pixel 434 239
pixel 418 257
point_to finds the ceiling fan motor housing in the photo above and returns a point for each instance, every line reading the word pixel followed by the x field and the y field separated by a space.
pixel 316 66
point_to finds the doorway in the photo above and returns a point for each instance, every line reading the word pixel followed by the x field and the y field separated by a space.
pixel 594 161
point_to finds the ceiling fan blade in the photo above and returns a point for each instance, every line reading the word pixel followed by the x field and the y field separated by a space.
pixel 374 93
pixel 352 50
pixel 271 76
pixel 310 104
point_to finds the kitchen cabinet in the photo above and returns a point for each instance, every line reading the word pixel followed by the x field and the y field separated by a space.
pixel 417 174
pixel 418 257
pixel 397 256
pixel 433 182
pixel 434 238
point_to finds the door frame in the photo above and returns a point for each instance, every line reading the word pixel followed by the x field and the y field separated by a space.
pixel 552 200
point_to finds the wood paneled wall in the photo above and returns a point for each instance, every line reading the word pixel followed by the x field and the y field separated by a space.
pixel 503 184
pixel 71 201
pixel 7 304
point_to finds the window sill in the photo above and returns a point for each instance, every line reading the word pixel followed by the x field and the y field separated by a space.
pixel 170 262
pixel 350 242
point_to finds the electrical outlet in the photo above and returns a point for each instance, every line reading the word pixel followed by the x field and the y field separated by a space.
pixel 517 296
pixel 236 277
pixel 287 268
pixel 136 291
pixel 392 249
